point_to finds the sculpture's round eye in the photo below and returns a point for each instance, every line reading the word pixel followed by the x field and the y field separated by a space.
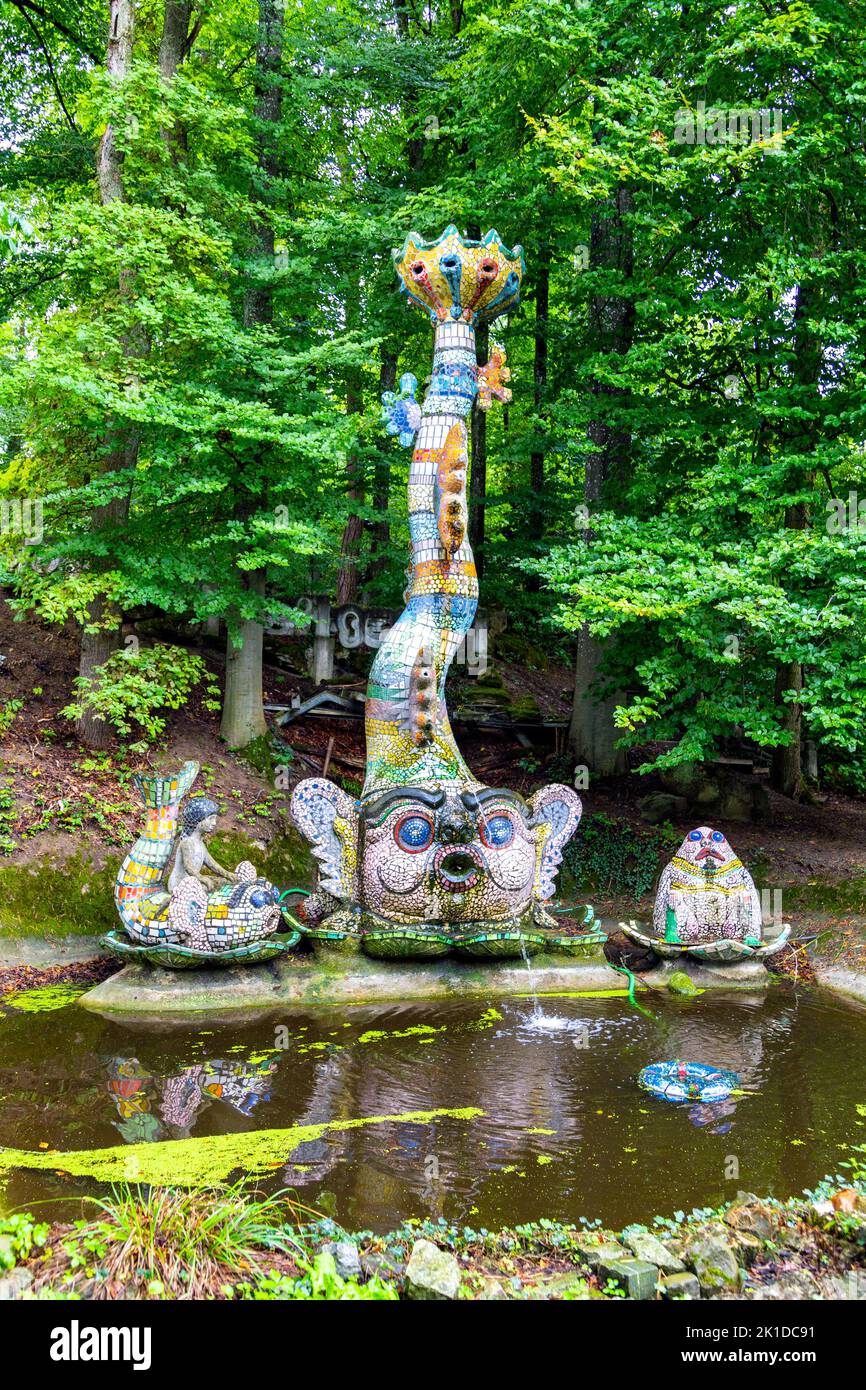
pixel 694 834
pixel 413 832
pixel 718 836
pixel 497 832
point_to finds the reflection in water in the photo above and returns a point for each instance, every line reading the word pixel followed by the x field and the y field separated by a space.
pixel 565 1131
pixel 718 1116
pixel 178 1099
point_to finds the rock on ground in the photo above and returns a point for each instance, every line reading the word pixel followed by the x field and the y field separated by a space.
pixel 15 1285
pixel 680 1286
pixel 714 1262
pixel 648 1247
pixel 347 1261
pixel 431 1272
pixel 638 1278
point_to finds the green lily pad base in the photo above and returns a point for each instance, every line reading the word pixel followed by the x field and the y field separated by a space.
pixel 405 945
pixel 579 947
pixel 386 942
pixel 332 943
pixel 173 956
pixel 725 950
pixel 499 945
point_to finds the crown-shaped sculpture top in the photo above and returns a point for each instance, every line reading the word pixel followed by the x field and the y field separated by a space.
pixel 453 278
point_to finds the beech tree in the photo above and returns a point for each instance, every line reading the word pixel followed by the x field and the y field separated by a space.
pixel 199 329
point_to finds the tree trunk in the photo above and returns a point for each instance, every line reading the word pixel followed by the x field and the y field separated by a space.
pixel 173 47
pixel 786 773
pixel 536 461
pixel 350 546
pixel 592 735
pixel 121 34
pixel 122 445
pixel 243 716
pixel 382 476
pixel 175 28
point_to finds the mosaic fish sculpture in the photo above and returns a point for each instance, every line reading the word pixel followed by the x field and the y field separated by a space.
pixel 429 858
pixel 190 926
pixel 707 905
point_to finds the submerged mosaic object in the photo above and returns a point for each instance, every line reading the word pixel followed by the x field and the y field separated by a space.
pixel 688 1081
pixel 188 921
pixel 707 905
pixel 429 859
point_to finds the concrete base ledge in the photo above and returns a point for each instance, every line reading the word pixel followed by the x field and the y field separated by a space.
pixel 842 980
pixel 44 951
pixel 735 974
pixel 142 993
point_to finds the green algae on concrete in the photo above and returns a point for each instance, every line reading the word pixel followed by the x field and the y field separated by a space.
pixel 206 1161
pixel 140 993
pixel 75 897
pixel 286 861
pixel 47 898
pixel 681 983
pixel 44 998
pixel 578 994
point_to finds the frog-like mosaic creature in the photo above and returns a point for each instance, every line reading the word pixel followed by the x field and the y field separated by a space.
pixel 705 892
pixel 429 857
pixel 707 904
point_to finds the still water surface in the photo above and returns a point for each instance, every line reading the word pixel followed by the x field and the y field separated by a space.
pixel 565 1131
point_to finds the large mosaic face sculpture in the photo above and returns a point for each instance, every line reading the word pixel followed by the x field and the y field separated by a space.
pixel 429 857
pixel 707 904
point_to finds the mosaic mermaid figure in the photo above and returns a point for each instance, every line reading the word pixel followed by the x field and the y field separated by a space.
pixel 192 857
pixel 189 910
pixel 430 857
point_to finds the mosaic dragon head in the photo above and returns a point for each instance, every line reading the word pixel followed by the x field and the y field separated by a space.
pixel 428 847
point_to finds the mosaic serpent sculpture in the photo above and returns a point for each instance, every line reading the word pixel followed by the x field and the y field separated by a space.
pixel 429 859
pixel 181 923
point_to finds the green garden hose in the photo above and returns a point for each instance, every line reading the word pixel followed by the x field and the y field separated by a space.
pixel 632 982
pixel 287 893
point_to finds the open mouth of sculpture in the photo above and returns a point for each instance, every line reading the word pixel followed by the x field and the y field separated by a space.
pixel 457 870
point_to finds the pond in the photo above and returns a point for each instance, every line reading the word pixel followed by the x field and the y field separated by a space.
pixel 516 1116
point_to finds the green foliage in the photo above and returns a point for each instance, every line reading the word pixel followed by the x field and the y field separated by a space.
pixel 722 426
pixel 135 687
pixel 612 857
pixel 177 1243
pixel 15 231
pixel 70 815
pixel 8 713
pixel 8 814
pixel 319 1282
pixel 20 1235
